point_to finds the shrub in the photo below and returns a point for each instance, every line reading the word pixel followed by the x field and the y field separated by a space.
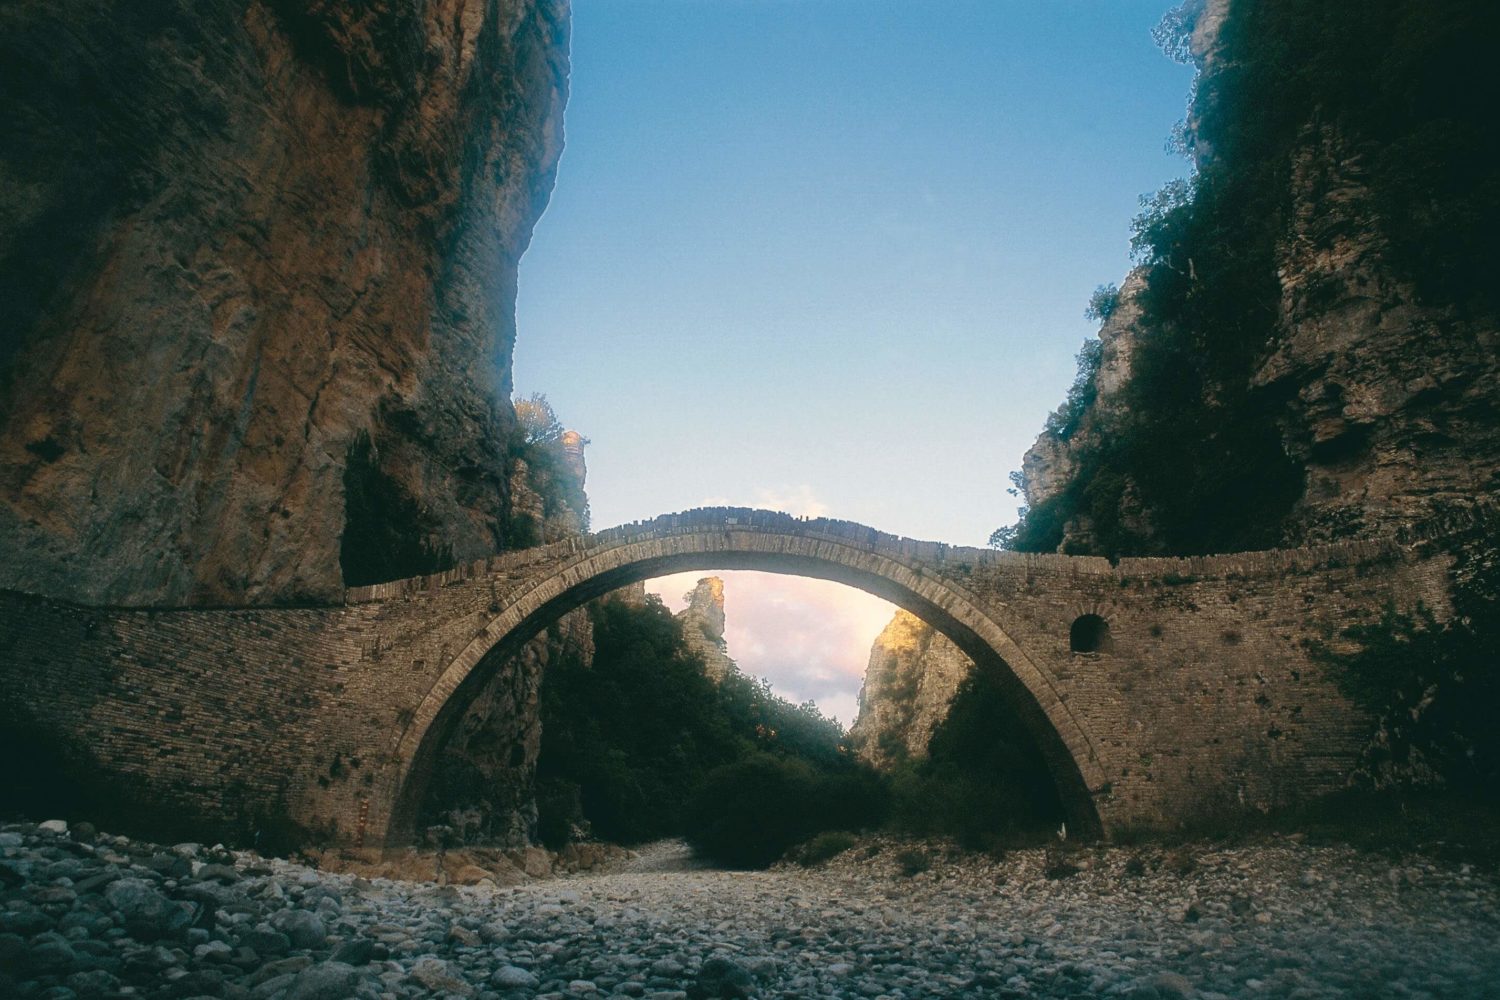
pixel 912 861
pixel 1103 303
pixel 1081 394
pixel 824 846
pixel 979 780
pixel 1433 685
pixel 748 813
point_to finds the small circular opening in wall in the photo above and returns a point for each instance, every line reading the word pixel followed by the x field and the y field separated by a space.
pixel 1089 634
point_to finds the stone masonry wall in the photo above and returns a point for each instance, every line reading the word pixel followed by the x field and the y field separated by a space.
pixel 1207 699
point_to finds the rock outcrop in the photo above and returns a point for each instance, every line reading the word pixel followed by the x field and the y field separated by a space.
pixel 1391 399
pixel 1381 390
pixel 703 627
pixel 913 674
pixel 547 497
pixel 255 255
pixel 1055 461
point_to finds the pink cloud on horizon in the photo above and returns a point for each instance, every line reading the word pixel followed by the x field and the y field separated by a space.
pixel 810 638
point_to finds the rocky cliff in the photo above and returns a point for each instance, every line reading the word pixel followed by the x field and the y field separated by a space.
pixel 1308 349
pixel 703 627
pixel 913 674
pixel 257 272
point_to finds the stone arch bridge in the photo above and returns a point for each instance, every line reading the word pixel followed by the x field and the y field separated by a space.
pixel 1160 690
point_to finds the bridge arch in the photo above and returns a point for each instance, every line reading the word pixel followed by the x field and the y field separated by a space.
pixel 746 540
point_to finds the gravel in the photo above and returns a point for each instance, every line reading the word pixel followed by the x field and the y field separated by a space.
pixel 104 916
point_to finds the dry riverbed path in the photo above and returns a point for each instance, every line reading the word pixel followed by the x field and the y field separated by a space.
pixel 109 917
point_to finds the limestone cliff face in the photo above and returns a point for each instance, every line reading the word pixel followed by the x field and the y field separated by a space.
pixel 1383 397
pixel 1389 403
pixel 703 627
pixel 239 241
pixel 1391 400
pixel 913 673
pixel 1053 462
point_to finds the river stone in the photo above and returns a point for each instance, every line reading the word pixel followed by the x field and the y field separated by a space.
pixel 92 983
pixel 719 977
pixel 1165 986
pixel 324 981
pixel 147 913
pixel 304 928
pixel 356 951
pixel 50 953
pixel 436 975
pixel 512 977
pixel 169 865
pixel 218 873
pixel 264 940
pixel 213 951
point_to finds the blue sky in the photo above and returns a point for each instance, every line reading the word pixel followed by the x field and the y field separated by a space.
pixel 832 255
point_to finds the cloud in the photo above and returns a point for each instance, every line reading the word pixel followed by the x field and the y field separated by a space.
pixel 798 500
pixel 810 638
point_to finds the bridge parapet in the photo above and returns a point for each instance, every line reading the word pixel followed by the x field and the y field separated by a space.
pixel 940 556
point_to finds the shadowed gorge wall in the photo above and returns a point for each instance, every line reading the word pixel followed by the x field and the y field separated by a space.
pixel 241 241
pixel 1308 349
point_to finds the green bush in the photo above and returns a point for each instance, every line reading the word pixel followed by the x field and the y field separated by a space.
pixel 748 813
pixel 1434 685
pixel 825 846
pixel 1103 303
pixel 1081 394
pixel 912 861
pixel 981 779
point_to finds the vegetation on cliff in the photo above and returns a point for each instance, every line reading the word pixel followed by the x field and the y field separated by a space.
pixel 1434 686
pixel 1197 446
pixel 551 477
pixel 390 535
pixel 1377 119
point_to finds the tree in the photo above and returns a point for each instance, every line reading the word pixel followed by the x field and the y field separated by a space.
pixel 537 420
pixel 1102 303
